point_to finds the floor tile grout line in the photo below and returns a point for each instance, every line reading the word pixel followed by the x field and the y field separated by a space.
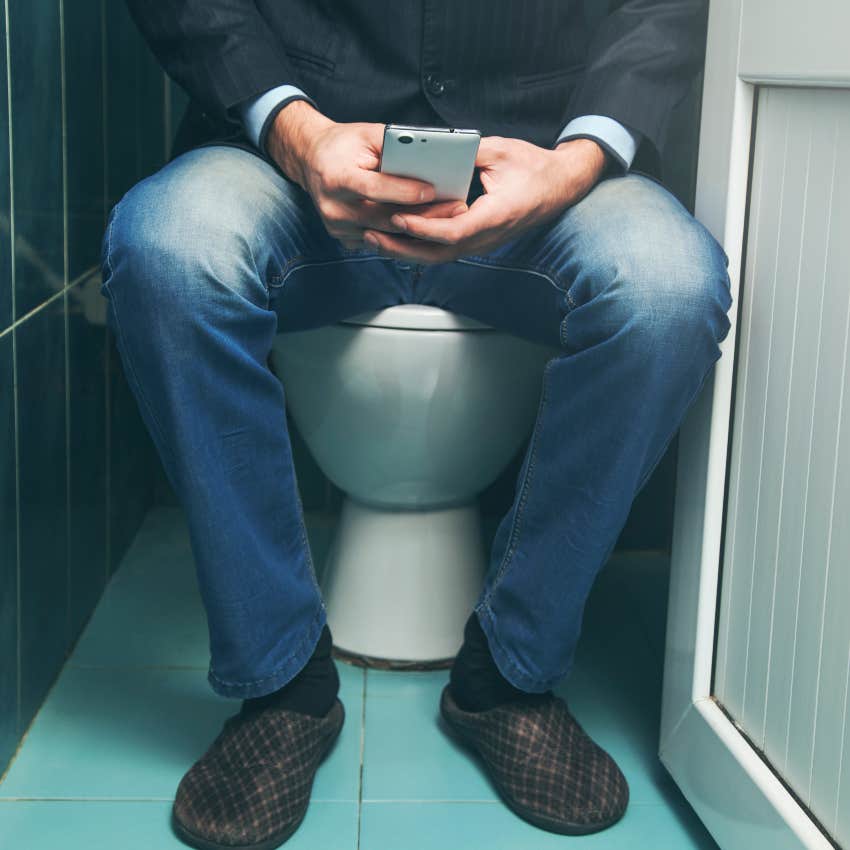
pixel 378 801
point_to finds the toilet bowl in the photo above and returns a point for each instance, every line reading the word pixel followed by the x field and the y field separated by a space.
pixel 411 411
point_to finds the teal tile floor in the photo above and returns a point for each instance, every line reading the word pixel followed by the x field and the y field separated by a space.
pixel 132 710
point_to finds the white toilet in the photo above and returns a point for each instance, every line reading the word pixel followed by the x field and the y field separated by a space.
pixel 412 411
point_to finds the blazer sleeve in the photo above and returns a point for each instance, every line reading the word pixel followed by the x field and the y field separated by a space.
pixel 641 62
pixel 222 52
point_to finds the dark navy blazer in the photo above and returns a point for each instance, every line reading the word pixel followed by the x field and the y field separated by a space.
pixel 520 68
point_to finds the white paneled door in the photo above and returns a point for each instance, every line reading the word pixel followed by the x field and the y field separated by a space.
pixel 756 720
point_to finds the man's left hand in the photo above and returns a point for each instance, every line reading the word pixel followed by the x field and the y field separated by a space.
pixel 524 186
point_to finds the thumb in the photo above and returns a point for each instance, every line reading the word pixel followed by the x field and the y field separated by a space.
pixel 372 142
pixel 489 151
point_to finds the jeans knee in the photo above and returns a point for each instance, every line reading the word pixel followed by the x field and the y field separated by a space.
pixel 685 300
pixel 170 249
pixel 670 296
pixel 191 232
pixel 635 258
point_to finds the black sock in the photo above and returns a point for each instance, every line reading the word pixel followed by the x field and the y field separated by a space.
pixel 312 691
pixel 475 681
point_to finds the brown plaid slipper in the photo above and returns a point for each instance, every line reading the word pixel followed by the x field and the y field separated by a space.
pixel 544 765
pixel 252 787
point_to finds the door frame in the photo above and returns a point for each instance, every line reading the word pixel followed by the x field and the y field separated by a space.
pixel 733 790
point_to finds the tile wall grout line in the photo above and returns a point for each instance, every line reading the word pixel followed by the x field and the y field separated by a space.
pixel 107 357
pixel 10 329
pixel 166 117
pixel 66 325
pixel 12 264
pixel 107 450
pixel 104 132
pixel 63 108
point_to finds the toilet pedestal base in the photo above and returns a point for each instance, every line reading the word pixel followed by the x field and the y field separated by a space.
pixel 400 585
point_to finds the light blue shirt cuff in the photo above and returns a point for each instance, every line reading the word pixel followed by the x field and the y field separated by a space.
pixel 255 112
pixel 618 140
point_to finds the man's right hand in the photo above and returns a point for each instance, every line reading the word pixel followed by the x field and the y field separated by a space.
pixel 337 164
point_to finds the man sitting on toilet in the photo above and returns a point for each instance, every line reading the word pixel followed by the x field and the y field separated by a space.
pixel 276 181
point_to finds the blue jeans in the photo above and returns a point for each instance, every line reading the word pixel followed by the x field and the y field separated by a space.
pixel 206 260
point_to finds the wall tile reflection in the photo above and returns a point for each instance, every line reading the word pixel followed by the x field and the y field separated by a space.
pixel 131 459
pixel 135 105
pixel 178 101
pixel 5 220
pixel 63 516
pixel 36 150
pixel 150 113
pixel 84 132
pixel 120 107
pixel 87 442
pixel 41 465
pixel 8 558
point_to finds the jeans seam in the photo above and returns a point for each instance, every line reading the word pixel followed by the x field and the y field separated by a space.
pixel 305 541
pixel 675 431
pixel 543 272
pixel 133 377
pixel 295 265
pixel 119 338
pixel 548 274
pixel 526 486
pixel 108 257
pixel 523 677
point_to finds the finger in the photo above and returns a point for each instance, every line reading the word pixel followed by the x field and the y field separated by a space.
pixel 484 215
pixel 491 149
pixel 387 188
pixel 447 209
pixel 367 214
pixel 414 250
pixel 440 209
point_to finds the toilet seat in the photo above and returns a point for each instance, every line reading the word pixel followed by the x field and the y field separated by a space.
pixel 421 317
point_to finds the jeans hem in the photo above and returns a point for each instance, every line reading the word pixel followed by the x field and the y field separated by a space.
pixel 283 674
pixel 507 663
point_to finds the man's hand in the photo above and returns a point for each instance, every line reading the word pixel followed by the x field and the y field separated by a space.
pixel 337 165
pixel 525 185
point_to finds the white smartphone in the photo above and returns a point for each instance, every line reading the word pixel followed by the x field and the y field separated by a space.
pixel 441 156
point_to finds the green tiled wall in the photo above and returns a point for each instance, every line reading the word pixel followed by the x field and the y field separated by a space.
pixel 88 115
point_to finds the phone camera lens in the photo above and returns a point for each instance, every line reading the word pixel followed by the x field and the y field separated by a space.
pixel 405 140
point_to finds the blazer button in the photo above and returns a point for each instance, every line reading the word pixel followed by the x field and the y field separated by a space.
pixel 434 85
